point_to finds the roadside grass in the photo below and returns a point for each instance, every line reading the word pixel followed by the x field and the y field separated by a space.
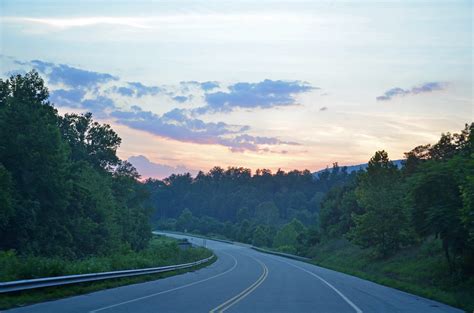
pixel 418 270
pixel 162 251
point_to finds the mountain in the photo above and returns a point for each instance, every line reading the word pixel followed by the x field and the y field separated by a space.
pixel 354 168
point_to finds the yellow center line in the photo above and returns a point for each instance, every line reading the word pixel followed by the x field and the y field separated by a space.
pixel 232 301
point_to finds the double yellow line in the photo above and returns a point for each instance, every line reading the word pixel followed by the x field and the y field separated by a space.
pixel 232 301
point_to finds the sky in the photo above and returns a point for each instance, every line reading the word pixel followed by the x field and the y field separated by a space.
pixel 189 85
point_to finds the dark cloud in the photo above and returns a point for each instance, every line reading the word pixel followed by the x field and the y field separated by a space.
pixel 141 90
pixel 180 99
pixel 323 109
pixel 426 87
pixel 124 91
pixel 244 142
pixel 265 94
pixel 74 98
pixel 98 105
pixel 71 76
pixel 146 168
pixel 137 90
pixel 68 98
pixel 209 85
pixel 177 125
pixel 206 86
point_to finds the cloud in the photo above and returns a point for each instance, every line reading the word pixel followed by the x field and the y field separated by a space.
pixel 146 168
pixel 426 87
pixel 141 90
pixel 206 86
pixel 180 99
pixel 177 125
pixel 136 89
pixel 75 98
pixel 244 142
pixel 124 91
pixel 88 91
pixel 71 76
pixel 64 23
pixel 209 85
pixel 69 98
pixel 323 109
pixel 265 94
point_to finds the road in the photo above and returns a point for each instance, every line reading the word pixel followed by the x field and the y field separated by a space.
pixel 245 280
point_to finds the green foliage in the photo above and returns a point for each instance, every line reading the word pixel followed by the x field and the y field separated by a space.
pixel 6 200
pixel 380 192
pixel 441 197
pixel 337 210
pixel 293 234
pixel 260 237
pixel 64 192
pixel 266 213
pixel 90 141
pixel 235 195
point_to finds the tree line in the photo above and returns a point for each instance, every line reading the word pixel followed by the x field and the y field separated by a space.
pixel 63 190
pixel 278 209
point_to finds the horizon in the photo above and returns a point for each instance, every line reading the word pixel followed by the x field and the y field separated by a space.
pixel 188 86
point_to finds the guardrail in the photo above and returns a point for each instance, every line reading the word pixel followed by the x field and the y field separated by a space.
pixel 158 232
pixel 286 255
pixel 20 285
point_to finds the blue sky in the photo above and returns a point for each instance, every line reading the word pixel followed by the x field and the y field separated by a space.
pixel 275 84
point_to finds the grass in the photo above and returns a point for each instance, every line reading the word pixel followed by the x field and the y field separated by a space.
pixel 419 270
pixel 162 251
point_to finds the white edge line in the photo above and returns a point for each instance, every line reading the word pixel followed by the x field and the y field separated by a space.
pixel 355 307
pixel 169 290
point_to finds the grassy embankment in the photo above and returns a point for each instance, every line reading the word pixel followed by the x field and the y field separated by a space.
pixel 161 251
pixel 419 270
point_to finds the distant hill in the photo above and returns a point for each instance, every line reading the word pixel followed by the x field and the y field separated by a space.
pixel 354 168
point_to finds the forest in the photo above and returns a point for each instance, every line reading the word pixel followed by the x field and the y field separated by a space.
pixel 64 192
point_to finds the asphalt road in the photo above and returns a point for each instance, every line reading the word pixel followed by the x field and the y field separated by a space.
pixel 245 280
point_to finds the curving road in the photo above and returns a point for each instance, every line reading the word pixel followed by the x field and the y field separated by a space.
pixel 245 280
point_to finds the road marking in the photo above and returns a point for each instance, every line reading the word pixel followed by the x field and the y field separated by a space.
pixel 234 300
pixel 169 290
pixel 355 307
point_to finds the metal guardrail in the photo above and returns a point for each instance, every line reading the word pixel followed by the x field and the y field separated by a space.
pixel 20 285
pixel 192 235
pixel 286 255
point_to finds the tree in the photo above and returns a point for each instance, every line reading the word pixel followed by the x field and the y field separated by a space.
pixel 6 199
pixel 338 208
pixel 185 220
pixel 384 223
pixel 441 197
pixel 90 140
pixel 260 238
pixel 288 234
pixel 266 213
pixel 32 151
